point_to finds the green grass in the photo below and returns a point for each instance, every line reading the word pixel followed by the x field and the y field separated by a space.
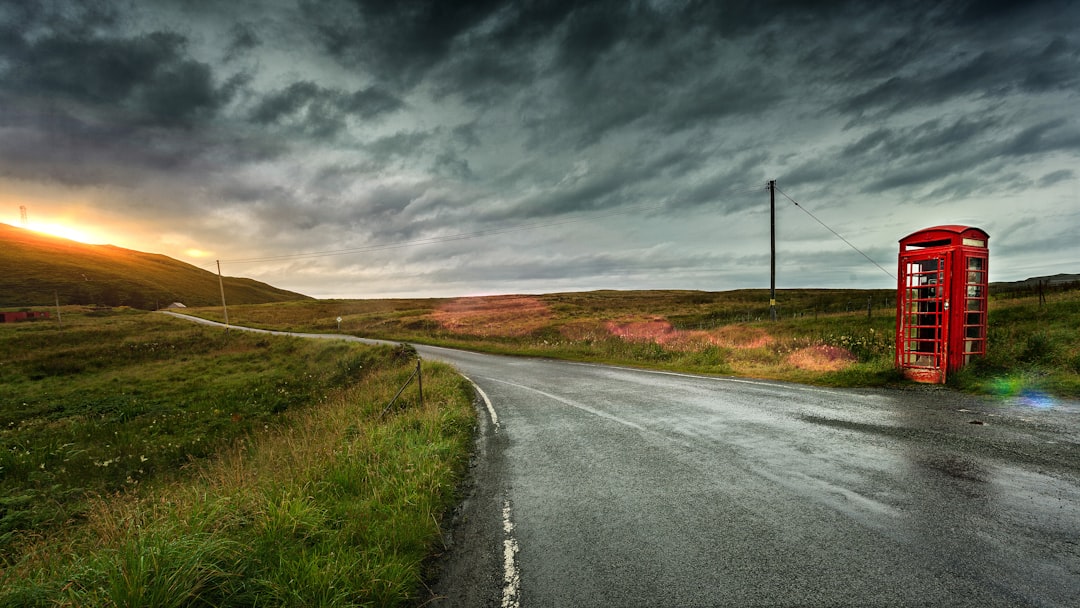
pixel 271 476
pixel 1032 350
pixel 37 269
pixel 576 328
pixel 714 332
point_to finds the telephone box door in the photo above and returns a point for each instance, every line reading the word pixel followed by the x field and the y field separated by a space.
pixel 924 307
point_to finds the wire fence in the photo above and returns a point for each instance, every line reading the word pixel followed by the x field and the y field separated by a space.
pixel 416 375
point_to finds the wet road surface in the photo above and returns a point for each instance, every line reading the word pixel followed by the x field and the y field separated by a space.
pixel 633 488
pixel 601 486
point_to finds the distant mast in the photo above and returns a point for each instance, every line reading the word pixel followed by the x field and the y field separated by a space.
pixel 22 215
pixel 772 249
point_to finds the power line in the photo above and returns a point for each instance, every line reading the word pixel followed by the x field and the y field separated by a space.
pixel 807 212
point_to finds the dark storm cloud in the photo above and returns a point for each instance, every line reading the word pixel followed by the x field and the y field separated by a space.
pixel 1031 239
pixel 244 39
pixel 319 111
pixel 450 164
pixel 725 192
pixel 1057 134
pixel 399 144
pixel 935 75
pixel 89 102
pixel 337 123
pixel 1056 176
pixel 720 97
pixel 150 77
pixel 398 40
pixel 554 267
pixel 613 63
pixel 956 150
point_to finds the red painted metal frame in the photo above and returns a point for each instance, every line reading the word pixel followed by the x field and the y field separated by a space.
pixel 922 330
pixel 941 301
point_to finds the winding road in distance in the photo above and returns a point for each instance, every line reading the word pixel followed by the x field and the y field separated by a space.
pixel 605 486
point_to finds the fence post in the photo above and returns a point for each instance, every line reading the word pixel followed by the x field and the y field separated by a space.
pixel 419 382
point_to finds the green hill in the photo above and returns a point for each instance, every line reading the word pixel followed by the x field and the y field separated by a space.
pixel 36 268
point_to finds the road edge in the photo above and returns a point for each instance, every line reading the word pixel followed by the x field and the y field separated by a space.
pixel 470 572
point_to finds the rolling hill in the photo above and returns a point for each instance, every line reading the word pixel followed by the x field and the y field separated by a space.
pixel 36 268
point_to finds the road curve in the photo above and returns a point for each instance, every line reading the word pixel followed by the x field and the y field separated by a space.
pixel 603 486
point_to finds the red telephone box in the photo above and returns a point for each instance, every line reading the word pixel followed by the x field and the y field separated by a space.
pixel 941 301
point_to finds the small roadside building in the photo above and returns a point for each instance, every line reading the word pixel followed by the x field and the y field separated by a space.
pixel 22 315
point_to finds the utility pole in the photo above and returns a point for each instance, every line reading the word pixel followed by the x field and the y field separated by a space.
pixel 223 306
pixel 772 249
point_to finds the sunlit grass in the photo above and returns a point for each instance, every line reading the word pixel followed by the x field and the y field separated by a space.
pixel 726 333
pixel 326 503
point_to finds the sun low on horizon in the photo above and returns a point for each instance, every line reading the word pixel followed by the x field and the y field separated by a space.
pixel 127 236
pixel 93 237
pixel 63 227
pixel 69 232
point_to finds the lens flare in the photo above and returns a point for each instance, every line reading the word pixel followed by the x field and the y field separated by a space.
pixel 1036 399
pixel 1014 388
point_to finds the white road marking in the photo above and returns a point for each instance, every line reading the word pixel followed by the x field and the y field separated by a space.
pixel 574 404
pixel 511 575
pixel 766 383
pixel 487 402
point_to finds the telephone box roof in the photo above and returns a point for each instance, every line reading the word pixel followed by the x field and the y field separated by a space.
pixel 937 232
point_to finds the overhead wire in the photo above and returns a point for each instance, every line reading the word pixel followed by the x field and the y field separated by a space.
pixel 849 244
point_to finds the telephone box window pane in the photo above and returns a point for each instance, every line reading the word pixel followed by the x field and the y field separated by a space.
pixel 976 263
pixel 974 304
pixel 974 291
pixel 974 347
pixel 974 331
pixel 975 277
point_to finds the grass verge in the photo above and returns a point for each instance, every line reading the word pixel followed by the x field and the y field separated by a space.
pixel 331 504
pixel 824 337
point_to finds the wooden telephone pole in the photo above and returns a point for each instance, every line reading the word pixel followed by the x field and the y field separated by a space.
pixel 772 249
pixel 225 308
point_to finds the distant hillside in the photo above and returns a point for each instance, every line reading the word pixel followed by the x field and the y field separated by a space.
pixel 34 267
pixel 1031 286
pixel 1057 279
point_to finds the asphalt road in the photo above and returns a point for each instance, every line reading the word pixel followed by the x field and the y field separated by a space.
pixel 633 488
pixel 601 486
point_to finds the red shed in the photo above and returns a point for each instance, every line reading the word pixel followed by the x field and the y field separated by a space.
pixel 941 301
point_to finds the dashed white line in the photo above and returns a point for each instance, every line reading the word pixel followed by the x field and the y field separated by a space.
pixel 511 575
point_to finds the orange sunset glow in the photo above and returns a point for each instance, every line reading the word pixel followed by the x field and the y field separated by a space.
pixel 65 231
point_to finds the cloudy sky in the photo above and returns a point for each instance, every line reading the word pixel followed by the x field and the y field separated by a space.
pixel 354 148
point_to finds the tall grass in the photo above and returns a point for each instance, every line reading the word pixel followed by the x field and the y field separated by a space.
pixel 336 505
pixel 1029 346
pixel 114 400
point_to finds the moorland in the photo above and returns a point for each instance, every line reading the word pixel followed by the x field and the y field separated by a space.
pixel 146 460
pixel 822 336
pixel 149 461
